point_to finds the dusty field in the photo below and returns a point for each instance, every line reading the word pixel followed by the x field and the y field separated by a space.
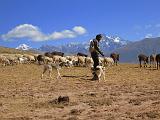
pixel 128 93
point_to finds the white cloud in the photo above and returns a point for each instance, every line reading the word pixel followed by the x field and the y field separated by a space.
pixel 35 34
pixel 80 30
pixel 149 35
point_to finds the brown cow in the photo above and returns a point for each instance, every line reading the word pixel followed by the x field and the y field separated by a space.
pixel 82 54
pixel 158 60
pixel 143 58
pixel 115 57
pixel 48 54
pixel 57 53
pixel 152 60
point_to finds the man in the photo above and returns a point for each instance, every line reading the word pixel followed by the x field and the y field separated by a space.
pixel 94 50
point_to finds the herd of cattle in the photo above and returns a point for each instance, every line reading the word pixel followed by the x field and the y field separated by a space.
pixel 153 59
pixel 80 59
pixel 56 57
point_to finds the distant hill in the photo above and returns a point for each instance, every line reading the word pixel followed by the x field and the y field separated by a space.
pixel 129 52
pixel 108 44
pixel 13 51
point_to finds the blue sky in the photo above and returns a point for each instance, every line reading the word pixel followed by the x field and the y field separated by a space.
pixel 38 22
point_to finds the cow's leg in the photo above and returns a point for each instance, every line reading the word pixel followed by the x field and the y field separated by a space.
pixel 140 63
pixel 144 64
pixel 114 62
pixel 150 63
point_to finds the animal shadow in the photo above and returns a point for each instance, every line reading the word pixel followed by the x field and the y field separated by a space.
pixel 82 77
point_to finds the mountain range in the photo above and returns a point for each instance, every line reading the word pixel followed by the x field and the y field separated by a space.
pixel 128 50
pixel 110 43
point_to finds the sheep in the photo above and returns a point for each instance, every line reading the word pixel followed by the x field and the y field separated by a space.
pixel 62 59
pixel 4 61
pixel 101 61
pixel 49 67
pixel 56 59
pixel 47 59
pixel 88 61
pixel 13 60
pixel 69 58
pixel 74 60
pixel 69 63
pixel 18 55
pixel 30 58
pixel 108 61
pixel 81 61
pixel 22 60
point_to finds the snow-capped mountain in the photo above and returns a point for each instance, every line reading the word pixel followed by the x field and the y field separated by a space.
pixel 115 39
pixel 109 43
pixel 23 47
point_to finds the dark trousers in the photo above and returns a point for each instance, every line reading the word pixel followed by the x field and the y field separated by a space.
pixel 95 58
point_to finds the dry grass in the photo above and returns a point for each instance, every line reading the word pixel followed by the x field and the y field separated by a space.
pixel 15 51
pixel 128 93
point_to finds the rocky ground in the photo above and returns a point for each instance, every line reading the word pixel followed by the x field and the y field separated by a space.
pixel 128 93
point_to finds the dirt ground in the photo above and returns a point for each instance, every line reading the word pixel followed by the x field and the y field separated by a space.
pixel 128 93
